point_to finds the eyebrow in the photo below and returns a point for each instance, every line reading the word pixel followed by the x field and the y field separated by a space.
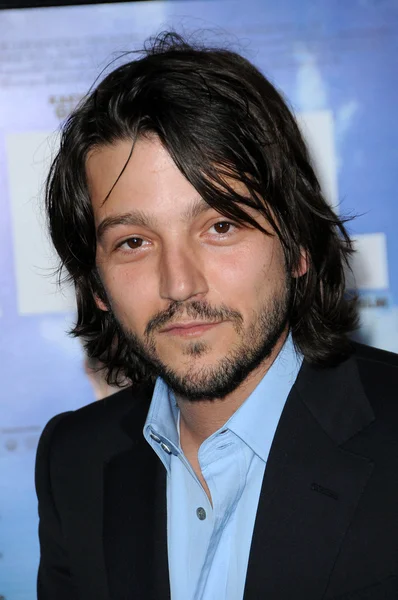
pixel 138 218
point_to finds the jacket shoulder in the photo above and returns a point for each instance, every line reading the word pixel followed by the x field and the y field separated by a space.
pixel 104 413
pixel 369 355
pixel 378 371
pixel 97 428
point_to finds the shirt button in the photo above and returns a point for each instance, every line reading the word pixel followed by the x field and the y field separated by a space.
pixel 154 437
pixel 165 448
pixel 201 513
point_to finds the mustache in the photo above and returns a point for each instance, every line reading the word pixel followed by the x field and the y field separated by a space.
pixel 194 310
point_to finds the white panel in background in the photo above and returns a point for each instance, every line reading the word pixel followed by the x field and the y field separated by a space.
pixel 317 128
pixel 28 160
pixel 369 263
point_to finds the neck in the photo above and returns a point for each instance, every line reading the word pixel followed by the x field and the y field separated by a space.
pixel 200 419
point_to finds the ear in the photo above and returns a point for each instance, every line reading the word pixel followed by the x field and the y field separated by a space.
pixel 100 303
pixel 303 264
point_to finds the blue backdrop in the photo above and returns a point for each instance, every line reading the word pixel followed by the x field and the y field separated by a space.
pixel 336 63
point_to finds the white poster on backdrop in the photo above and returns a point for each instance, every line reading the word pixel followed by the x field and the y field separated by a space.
pixel 35 262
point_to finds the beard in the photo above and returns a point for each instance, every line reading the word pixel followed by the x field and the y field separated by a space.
pixel 253 346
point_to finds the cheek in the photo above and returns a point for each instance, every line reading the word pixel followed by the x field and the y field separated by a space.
pixel 132 294
pixel 250 271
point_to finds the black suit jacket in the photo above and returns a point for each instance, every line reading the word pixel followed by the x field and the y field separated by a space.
pixel 327 520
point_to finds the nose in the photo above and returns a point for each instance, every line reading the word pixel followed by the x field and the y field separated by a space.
pixel 181 275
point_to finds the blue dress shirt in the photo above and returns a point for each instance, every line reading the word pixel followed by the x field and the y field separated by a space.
pixel 208 546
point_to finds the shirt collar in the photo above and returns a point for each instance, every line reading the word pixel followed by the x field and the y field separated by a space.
pixel 264 405
pixel 256 420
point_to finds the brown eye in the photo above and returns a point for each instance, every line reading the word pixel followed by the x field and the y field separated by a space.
pixel 222 227
pixel 134 243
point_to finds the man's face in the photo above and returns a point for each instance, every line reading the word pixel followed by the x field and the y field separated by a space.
pixel 202 298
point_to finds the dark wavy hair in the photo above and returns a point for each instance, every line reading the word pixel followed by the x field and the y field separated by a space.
pixel 217 116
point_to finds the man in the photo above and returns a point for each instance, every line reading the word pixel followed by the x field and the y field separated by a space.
pixel 255 455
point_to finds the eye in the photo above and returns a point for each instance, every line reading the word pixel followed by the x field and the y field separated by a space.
pixel 223 227
pixel 133 243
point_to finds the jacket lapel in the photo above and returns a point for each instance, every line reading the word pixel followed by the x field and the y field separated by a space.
pixel 311 486
pixel 135 523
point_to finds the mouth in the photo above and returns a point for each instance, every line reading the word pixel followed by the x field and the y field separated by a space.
pixel 190 329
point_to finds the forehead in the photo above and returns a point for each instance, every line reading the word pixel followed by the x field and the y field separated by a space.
pixel 139 177
pixel 144 180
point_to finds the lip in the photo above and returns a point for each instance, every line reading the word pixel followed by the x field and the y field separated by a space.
pixel 189 329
